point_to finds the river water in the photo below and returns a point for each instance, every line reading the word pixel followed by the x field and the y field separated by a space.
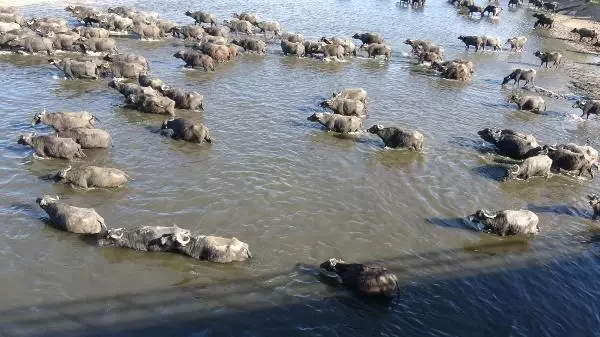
pixel 299 195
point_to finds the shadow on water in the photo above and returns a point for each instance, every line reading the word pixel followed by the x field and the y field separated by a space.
pixel 263 306
pixel 492 172
pixel 394 158
pixel 561 210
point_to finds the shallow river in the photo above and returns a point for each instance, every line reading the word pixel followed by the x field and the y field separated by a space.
pixel 299 195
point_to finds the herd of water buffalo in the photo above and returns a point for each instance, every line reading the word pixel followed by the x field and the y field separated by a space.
pixel 207 45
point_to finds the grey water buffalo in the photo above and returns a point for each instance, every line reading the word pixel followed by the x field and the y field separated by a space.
pixel 177 240
pixel 88 177
pixel 294 37
pixel 492 10
pixel 62 121
pixel 545 57
pixel 12 18
pixel 508 222
pixel 88 138
pixel 469 41
pixel 269 26
pixel 165 26
pixel 128 58
pixel 147 81
pixel 349 46
pixel 377 49
pixel 543 20
pixel 194 59
pixel 572 157
pixel 77 69
pixel 33 44
pixel 423 46
pixel 364 279
pixel 180 128
pixel 337 123
pixel 123 69
pixel 63 41
pixel 115 22
pixel 202 17
pixel 536 166
pixel 490 41
pixel 239 26
pixel 511 144
pixel 518 75
pixel 528 103
pixel 517 43
pixel 70 218
pixel 331 50
pixel 585 33
pixel 216 32
pixel 443 66
pixel 127 89
pixel 47 25
pixel 369 38
pixel 588 107
pixel 346 107
pixel 311 47
pixel 457 70
pixel 98 44
pixel 250 17
pixel 152 104
pixel 251 45
pixel 147 31
pixel 183 99
pixel 394 137
pixel 52 146
pixel 187 32
pixel 594 201
pixel 292 48
pixel 429 57
pixel 358 94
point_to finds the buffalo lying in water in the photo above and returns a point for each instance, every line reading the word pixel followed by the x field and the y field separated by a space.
pixel 508 222
pixel 367 280
pixel 70 218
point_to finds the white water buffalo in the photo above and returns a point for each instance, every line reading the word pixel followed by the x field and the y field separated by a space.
pixel 70 218
pixel 364 279
pixel 536 166
pixel 346 107
pixel 337 123
pixel 511 144
pixel 52 146
pixel 92 177
pixel 517 43
pixel 358 94
pixel 75 69
pixel 394 137
pixel 180 128
pixel 528 103
pixel 61 121
pixel 293 48
pixel 507 222
pixel 88 138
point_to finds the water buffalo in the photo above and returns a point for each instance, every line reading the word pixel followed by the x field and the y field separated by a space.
pixel 543 20
pixel 194 59
pixel 545 57
pixel 187 32
pixel 492 10
pixel 147 81
pixel 458 70
pixel 394 137
pixel 454 63
pixel 116 22
pixel 572 157
pixel 269 26
pixel 239 26
pixel 152 104
pixel 52 146
pixel 585 33
pixel 511 144
pixel 33 44
pixel 528 103
pixel 127 89
pixel 331 50
pixel 293 48
pixel 74 69
pixel 251 45
pixel 183 100
pixel 377 49
pixel 92 177
pixel 98 44
pixel 588 107
pixel 337 123
pixel 550 6
pixel 62 121
pixel 180 128
pixel 490 41
pixel 420 46
pixel 252 18
pixel 594 201
pixel 70 218
pixel 124 69
pixel 517 43
pixel 202 17
pixel 128 58
pixel 367 280
pixel 346 107
pixel 88 138
pixel 369 38
pixel 508 222
pixel 358 94
pixel 469 41
pixel 475 9
pixel 147 31
pixel 293 37
pixel 349 46
pixel 539 165
pixel 518 75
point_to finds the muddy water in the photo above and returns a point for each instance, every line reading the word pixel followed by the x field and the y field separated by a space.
pixel 299 195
